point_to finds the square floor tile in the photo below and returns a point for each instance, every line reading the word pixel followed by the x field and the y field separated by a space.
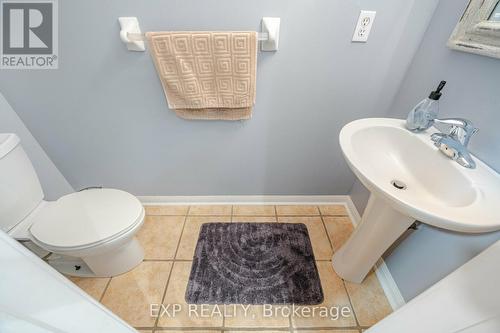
pixel 166 210
pixel 129 295
pixel 339 230
pixel 254 210
pixel 253 331
pixel 338 210
pixel 92 286
pixel 246 316
pixel 159 236
pixel 191 232
pixel 255 219
pixel 335 298
pixel 299 210
pixel 191 331
pixel 317 233
pixel 328 331
pixel 190 315
pixel 369 300
pixel 210 210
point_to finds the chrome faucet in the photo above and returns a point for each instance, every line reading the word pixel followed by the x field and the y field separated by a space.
pixel 453 139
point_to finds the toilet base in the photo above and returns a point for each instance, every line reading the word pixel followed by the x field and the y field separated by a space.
pixel 107 264
pixel 71 266
pixel 117 261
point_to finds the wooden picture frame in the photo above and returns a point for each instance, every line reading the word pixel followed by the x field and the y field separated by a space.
pixel 475 32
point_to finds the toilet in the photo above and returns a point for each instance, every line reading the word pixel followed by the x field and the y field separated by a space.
pixel 87 233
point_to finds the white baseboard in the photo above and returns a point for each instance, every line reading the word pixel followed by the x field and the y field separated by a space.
pixel 384 276
pixel 244 199
pixel 388 284
pixel 390 287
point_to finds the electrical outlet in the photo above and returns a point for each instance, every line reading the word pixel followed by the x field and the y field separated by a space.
pixel 365 23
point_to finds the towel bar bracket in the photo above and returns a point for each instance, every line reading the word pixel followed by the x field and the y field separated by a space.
pixel 271 27
pixel 129 26
pixel 132 36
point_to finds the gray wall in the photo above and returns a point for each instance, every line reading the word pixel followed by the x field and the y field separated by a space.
pixel 359 196
pixel 472 92
pixel 103 118
pixel 53 182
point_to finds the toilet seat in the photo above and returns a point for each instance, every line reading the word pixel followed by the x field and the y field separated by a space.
pixel 86 219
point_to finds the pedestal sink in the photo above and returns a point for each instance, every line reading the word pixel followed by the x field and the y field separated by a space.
pixel 409 179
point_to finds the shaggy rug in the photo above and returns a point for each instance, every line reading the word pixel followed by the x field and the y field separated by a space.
pixel 254 263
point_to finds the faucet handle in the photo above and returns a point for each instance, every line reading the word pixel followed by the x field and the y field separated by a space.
pixel 466 133
pixel 448 125
pixel 458 128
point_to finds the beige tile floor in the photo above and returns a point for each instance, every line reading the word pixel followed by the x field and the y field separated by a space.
pixel 169 237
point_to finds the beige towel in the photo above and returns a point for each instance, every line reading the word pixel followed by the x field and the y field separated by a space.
pixel 207 75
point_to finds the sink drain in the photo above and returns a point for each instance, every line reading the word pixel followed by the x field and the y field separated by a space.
pixel 398 184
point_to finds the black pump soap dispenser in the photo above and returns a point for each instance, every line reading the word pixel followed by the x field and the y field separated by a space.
pixel 423 114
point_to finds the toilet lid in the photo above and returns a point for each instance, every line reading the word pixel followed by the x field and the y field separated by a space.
pixel 86 217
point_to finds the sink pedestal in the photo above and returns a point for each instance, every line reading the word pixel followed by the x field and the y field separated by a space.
pixel 380 227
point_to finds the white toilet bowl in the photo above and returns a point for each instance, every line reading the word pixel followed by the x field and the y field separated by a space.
pixel 96 226
pixel 90 233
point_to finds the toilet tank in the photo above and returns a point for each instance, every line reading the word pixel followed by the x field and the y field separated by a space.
pixel 20 189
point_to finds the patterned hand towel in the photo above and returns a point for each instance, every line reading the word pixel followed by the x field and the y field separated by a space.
pixel 207 75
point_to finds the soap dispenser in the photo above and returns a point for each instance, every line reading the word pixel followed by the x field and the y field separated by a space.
pixel 423 114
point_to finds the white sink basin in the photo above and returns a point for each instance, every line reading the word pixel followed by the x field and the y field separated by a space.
pixel 437 190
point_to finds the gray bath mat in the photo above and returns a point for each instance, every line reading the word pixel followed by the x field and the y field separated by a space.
pixel 254 263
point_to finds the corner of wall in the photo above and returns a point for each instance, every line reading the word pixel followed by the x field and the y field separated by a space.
pixel 406 51
pixel 53 181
